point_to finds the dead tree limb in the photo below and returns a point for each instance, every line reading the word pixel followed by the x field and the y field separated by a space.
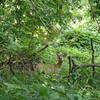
pixel 74 66
pixel 86 66
pixel 70 64
pixel 92 60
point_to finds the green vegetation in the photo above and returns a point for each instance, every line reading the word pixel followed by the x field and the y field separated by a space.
pixel 53 33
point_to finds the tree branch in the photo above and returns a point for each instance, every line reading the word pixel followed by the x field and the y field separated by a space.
pixel 86 66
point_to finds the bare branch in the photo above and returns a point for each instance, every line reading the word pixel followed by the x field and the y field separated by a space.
pixel 86 66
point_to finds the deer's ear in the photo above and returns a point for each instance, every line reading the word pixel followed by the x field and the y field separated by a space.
pixel 58 55
pixel 65 55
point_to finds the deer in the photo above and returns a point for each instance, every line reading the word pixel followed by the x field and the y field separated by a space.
pixel 53 67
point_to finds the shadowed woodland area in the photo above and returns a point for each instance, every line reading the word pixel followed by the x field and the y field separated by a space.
pixel 49 49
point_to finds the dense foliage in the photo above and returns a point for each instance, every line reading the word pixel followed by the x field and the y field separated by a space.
pixel 35 31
